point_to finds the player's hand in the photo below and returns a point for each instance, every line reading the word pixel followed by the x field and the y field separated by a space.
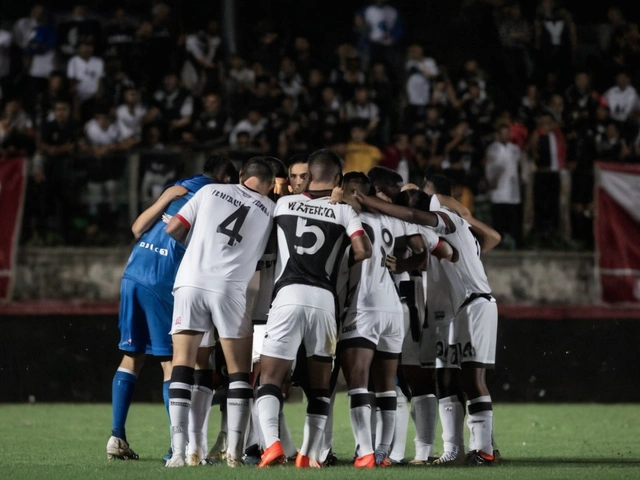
pixel 337 195
pixel 280 188
pixel 362 199
pixel 166 218
pixel 392 263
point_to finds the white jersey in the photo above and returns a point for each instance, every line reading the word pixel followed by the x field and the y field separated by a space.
pixel 88 74
pixel 312 238
pixel 376 289
pixel 229 230
pixel 467 275
pixel 130 123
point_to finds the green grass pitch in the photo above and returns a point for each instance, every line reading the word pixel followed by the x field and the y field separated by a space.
pixel 63 441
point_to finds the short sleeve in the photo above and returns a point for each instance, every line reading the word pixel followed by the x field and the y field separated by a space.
pixel 410 229
pixel 352 223
pixel 189 211
pixel 446 223
pixel 431 239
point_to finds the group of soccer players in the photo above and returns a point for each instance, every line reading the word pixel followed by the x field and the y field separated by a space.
pixel 357 272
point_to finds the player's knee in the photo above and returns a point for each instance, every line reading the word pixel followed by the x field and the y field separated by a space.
pixel 133 362
pixel 319 401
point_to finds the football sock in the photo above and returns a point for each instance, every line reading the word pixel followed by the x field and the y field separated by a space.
pixel 269 404
pixel 452 418
pixel 253 429
pixel 374 417
pixel 424 410
pixel 387 402
pixel 285 437
pixel 122 388
pixel 239 399
pixel 179 406
pixel 327 439
pixel 165 394
pixel 402 426
pixel 315 422
pixel 480 423
pixel 360 413
pixel 201 397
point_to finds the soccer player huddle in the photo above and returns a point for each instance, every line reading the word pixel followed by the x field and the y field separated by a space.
pixel 357 273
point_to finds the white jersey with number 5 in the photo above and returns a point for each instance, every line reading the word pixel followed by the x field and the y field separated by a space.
pixel 312 238
pixel 229 230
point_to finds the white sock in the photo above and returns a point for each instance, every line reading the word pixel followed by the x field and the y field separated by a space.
pixel 327 440
pixel 402 426
pixel 254 434
pixel 360 413
pixel 199 419
pixel 268 404
pixel 424 411
pixel 239 398
pixel 179 405
pixel 314 424
pixel 451 417
pixel 480 423
pixel 388 403
pixel 288 446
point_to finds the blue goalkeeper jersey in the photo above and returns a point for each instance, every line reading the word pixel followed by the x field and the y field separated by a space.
pixel 156 256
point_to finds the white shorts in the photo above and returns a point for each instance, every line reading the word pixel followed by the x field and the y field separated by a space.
pixel 258 339
pixel 429 341
pixel 382 329
pixel 311 321
pixel 446 350
pixel 201 310
pixel 477 333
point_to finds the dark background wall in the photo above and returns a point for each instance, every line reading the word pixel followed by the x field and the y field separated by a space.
pixel 73 358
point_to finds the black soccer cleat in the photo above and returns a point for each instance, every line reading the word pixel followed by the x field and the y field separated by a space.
pixel 479 458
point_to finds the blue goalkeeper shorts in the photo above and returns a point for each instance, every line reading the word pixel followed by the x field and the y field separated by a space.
pixel 145 320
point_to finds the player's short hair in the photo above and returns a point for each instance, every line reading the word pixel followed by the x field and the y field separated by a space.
pixel 358 181
pixel 441 184
pixel 324 166
pixel 218 166
pixel 278 166
pixel 258 167
pixel 415 199
pixel 385 180
pixel 297 158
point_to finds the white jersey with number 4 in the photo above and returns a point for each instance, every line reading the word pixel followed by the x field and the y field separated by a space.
pixel 229 230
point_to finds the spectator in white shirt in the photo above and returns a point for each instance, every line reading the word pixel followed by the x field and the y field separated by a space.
pixel 361 108
pixel 85 71
pixel 101 139
pixel 131 116
pixel 254 125
pixel 622 98
pixel 503 158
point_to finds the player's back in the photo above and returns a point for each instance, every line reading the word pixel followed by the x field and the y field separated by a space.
pixel 467 275
pixel 156 256
pixel 227 238
pixel 377 289
pixel 312 237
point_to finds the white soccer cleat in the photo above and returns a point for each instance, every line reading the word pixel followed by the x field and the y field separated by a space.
pixel 233 462
pixel 452 457
pixel 219 449
pixel 119 448
pixel 175 461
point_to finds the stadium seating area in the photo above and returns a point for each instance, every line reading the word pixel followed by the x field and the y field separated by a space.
pixel 111 104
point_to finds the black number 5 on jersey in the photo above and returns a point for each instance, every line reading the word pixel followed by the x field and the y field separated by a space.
pixel 235 221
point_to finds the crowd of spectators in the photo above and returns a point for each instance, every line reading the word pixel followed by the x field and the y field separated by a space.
pixel 79 93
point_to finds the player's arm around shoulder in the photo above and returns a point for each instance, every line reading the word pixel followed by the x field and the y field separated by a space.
pixel 360 243
pixel 147 218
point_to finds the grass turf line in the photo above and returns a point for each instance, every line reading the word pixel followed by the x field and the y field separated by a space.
pixel 567 441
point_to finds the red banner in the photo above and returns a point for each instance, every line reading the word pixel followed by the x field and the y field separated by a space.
pixel 13 176
pixel 617 230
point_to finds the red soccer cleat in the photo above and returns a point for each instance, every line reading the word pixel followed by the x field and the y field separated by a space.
pixel 274 455
pixel 366 461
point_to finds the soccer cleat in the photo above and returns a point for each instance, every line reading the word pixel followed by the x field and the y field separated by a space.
pixel 168 456
pixel 496 455
pixel 366 461
pixel 452 457
pixel 274 455
pixel 382 460
pixel 331 459
pixel 175 461
pixel 252 455
pixel 302 461
pixel 119 448
pixel 233 462
pixel 219 449
pixel 478 457
pixel 418 462
pixel 193 460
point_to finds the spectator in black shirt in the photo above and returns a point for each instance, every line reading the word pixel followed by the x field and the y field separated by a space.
pixel 78 26
pixel 120 35
pixel 175 106
pixel 211 123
